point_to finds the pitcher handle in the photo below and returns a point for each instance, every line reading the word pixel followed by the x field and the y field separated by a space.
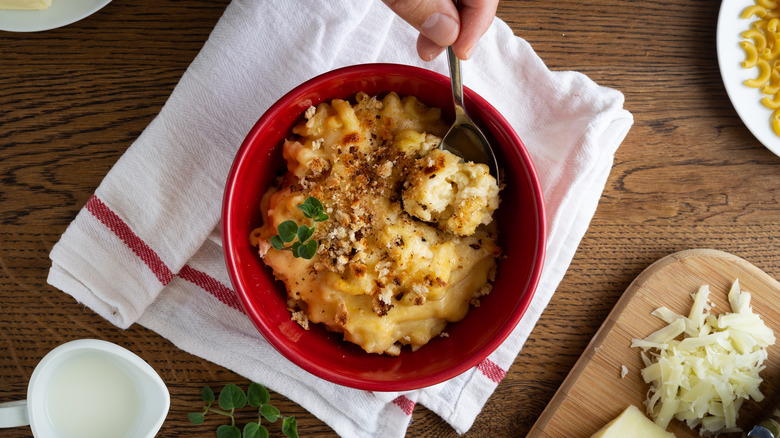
pixel 14 414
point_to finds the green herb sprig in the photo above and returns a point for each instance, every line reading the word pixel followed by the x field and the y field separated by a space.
pixel 231 398
pixel 304 247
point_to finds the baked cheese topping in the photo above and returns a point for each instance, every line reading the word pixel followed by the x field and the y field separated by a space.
pixel 458 196
pixel 410 242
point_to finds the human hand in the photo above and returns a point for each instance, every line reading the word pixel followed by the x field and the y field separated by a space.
pixel 441 25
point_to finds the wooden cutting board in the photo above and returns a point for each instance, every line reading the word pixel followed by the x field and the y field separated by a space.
pixel 594 393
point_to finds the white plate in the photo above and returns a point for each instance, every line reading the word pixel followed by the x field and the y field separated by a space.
pixel 746 100
pixel 61 13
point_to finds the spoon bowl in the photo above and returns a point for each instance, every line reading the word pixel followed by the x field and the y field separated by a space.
pixel 464 138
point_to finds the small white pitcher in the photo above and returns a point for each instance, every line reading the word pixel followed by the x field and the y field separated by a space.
pixel 90 388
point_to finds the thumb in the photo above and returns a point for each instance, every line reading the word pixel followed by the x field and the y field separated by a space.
pixel 437 20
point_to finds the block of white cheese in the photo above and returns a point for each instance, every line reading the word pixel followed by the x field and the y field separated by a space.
pixel 632 423
pixel 25 4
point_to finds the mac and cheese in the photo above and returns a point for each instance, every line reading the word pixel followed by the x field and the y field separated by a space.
pixel 409 244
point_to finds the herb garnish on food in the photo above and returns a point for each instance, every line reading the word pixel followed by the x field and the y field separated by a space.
pixel 231 398
pixel 305 247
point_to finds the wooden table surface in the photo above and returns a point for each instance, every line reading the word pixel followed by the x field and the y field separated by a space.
pixel 689 175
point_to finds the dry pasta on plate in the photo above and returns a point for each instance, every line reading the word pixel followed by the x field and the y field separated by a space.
pixel 748 46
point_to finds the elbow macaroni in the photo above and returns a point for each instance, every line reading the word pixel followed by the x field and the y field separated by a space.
pixel 384 275
pixel 762 51
pixel 759 39
pixel 764 72
pixel 751 54
pixel 773 86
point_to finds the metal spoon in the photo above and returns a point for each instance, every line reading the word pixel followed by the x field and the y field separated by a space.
pixel 464 138
pixel 760 432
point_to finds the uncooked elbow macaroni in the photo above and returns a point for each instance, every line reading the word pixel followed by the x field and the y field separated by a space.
pixel 409 244
pixel 762 51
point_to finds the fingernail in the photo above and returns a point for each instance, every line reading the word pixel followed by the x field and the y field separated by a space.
pixel 470 52
pixel 427 49
pixel 441 29
pixel 430 56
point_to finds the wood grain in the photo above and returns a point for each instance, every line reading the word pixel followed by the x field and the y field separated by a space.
pixel 594 392
pixel 689 175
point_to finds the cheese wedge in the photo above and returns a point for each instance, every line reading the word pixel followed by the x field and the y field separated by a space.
pixel 25 4
pixel 632 423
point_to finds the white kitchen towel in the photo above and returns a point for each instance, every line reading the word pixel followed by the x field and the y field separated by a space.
pixel 146 247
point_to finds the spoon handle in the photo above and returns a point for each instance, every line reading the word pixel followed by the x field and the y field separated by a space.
pixel 457 84
pixel 455 78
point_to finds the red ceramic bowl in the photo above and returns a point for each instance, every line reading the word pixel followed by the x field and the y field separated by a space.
pixel 521 226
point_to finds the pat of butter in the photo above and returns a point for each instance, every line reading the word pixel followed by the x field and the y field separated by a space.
pixel 632 423
pixel 25 4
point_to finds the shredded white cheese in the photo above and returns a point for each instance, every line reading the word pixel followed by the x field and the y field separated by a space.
pixel 703 378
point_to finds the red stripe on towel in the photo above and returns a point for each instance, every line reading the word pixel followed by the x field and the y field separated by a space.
pixel 211 285
pixel 114 223
pixel 491 370
pixel 123 231
pixel 405 404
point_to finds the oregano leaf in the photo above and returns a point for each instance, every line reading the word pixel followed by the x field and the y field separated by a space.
pixel 255 430
pixel 226 431
pixel 257 395
pixel 232 397
pixel 307 210
pixel 207 394
pixel 295 247
pixel 290 427
pixel 277 243
pixel 287 230
pixel 308 249
pixel 269 412
pixel 304 233
pixel 311 207
pixel 315 203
